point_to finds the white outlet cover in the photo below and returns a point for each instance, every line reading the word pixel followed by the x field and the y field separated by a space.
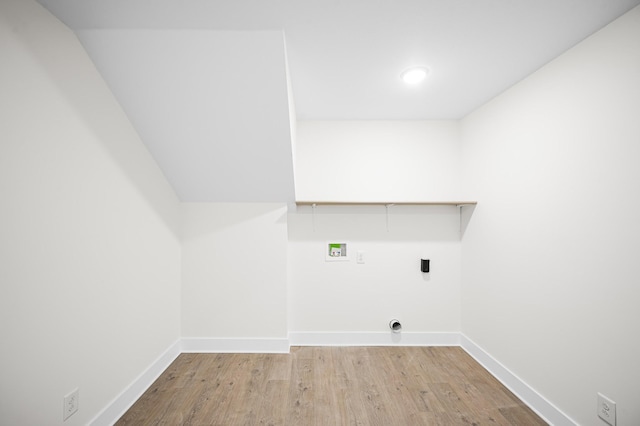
pixel 70 404
pixel 606 409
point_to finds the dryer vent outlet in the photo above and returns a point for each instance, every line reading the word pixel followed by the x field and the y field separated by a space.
pixel 395 326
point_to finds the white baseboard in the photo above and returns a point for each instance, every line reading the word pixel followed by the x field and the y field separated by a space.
pixel 121 403
pixel 373 339
pixel 528 395
pixel 234 345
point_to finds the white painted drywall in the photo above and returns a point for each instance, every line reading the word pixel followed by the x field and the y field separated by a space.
pixel 377 160
pixel 550 285
pixel 191 94
pixel 352 297
pixel 90 275
pixel 234 270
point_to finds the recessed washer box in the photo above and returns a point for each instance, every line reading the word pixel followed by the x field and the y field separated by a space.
pixel 336 251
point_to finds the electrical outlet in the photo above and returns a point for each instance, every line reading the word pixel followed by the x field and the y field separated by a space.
pixel 71 403
pixel 606 409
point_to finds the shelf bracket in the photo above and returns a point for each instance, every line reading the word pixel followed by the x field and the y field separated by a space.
pixel 313 216
pixel 387 215
pixel 465 212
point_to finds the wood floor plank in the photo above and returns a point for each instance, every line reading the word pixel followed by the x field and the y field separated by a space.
pixel 482 407
pixel 301 391
pixel 346 384
pixel 329 407
pixel 358 386
pixel 278 366
pixel 400 384
pixel 521 415
pixel 273 410
pixel 218 390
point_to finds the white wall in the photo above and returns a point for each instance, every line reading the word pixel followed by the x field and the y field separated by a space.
pixel 90 271
pixel 234 271
pixel 333 297
pixel 377 160
pixel 549 280
pixel 90 241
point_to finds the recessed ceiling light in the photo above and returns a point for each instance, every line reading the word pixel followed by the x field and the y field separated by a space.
pixel 414 75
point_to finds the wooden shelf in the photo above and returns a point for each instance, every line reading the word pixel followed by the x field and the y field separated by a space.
pixel 354 206
pixel 386 203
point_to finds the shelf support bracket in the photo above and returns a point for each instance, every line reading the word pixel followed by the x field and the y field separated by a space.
pixel 313 216
pixel 387 215
pixel 465 212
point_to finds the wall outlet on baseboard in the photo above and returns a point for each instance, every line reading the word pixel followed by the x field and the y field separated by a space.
pixel 606 409
pixel 71 403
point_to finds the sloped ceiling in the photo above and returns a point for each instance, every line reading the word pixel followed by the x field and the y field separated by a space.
pixel 205 81
pixel 211 106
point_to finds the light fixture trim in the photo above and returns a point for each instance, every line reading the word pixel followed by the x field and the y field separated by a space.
pixel 414 75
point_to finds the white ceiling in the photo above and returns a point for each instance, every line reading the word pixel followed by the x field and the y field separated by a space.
pixel 211 106
pixel 172 65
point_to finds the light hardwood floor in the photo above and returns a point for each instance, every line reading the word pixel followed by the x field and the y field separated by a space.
pixel 330 386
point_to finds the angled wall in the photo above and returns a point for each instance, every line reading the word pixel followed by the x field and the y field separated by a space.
pixel 212 107
pixel 90 276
